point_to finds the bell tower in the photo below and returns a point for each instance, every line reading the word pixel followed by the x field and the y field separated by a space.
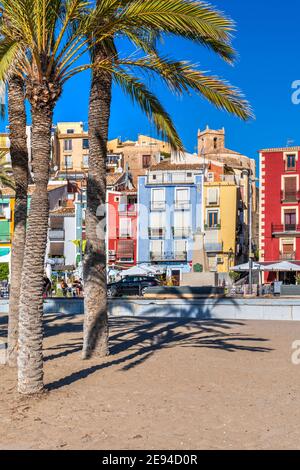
pixel 210 141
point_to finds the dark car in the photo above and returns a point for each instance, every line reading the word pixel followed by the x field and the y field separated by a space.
pixel 131 285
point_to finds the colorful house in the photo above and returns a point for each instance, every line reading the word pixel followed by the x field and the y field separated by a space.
pixel 279 231
pixel 170 217
pixel 220 224
pixel 122 228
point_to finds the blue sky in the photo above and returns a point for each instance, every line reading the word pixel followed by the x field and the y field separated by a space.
pixel 267 39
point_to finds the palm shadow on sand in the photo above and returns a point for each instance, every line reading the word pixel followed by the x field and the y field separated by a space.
pixel 133 340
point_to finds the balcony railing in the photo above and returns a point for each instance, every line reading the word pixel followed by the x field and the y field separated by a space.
pixel 288 256
pixel 213 247
pixel 212 202
pixel 123 234
pixel 129 209
pixel 290 196
pixel 213 227
pixel 158 205
pixel 285 229
pixel 175 256
pixel 182 205
pixel 157 232
pixel 56 235
pixel 181 232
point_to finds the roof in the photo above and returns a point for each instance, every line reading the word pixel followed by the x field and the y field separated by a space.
pixel 166 165
pixel 63 211
pixel 282 149
pixel 224 150
pixel 113 178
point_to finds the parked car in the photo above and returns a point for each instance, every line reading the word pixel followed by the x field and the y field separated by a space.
pixel 131 285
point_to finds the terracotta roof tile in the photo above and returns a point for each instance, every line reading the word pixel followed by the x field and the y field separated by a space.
pixel 164 165
pixel 65 211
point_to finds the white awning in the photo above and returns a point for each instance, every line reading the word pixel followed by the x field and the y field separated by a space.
pixel 282 266
pixel 245 267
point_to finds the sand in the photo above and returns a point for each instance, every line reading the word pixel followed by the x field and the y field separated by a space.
pixel 166 385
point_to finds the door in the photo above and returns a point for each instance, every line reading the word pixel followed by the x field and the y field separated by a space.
pixel 175 273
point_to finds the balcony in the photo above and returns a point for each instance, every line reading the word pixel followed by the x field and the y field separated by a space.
pixel 182 205
pixel 175 256
pixel 212 202
pixel 56 235
pixel 213 247
pixel 213 227
pixel 128 209
pixel 287 256
pixel 158 205
pixel 181 232
pixel 285 229
pixel 157 232
pixel 123 234
pixel 290 196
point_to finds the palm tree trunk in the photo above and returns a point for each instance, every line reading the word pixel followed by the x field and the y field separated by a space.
pixel 95 340
pixel 19 158
pixel 30 359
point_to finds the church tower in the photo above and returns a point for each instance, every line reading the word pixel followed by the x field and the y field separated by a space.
pixel 210 141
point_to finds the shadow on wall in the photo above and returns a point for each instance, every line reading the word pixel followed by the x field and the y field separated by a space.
pixel 135 340
pixel 189 309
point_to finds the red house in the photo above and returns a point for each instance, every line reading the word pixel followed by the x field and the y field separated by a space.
pixel 279 232
pixel 122 228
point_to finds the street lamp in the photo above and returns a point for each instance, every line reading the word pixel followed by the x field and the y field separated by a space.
pixel 251 180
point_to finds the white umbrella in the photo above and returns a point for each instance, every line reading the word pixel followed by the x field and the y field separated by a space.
pixel 246 267
pixel 282 266
pixel 136 271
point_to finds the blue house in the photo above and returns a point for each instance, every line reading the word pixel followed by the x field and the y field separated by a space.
pixel 170 216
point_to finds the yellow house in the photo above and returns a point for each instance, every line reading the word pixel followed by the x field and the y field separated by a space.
pixel 220 225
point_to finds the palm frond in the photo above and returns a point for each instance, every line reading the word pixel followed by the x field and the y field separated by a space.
pixel 150 105
pixel 183 77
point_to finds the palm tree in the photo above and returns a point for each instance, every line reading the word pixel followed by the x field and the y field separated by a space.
pixel 142 22
pixel 19 160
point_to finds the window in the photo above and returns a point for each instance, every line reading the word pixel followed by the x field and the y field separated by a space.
pixel 158 201
pixel 212 219
pixel 291 162
pixel 157 249
pixel 125 227
pixel 85 144
pixel 125 250
pixel 4 211
pixel 182 223
pixel 180 246
pixel 212 196
pixel 215 142
pixel 146 161
pixel 182 197
pixel 68 161
pixel 157 225
pixel 70 131
pixel 68 144
pixel 290 219
pixel 85 161
pixel 287 252
pixel 290 189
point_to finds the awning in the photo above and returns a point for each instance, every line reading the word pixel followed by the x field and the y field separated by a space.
pixel 282 266
pixel 245 267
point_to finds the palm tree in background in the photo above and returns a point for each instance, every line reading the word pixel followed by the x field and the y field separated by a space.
pixel 19 161
pixel 142 22
pixel 6 180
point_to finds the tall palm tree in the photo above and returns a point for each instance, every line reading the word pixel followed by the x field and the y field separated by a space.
pixel 142 22
pixel 19 160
